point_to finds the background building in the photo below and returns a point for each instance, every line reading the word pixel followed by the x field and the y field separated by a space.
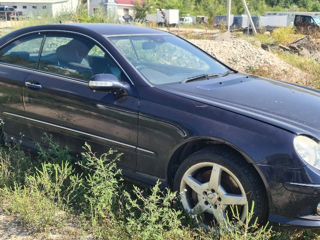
pixel 42 7
pixel 118 7
pixel 125 7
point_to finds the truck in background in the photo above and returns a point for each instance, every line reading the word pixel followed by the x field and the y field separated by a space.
pixel 307 24
pixel 270 23
pixel 168 16
pixel 272 20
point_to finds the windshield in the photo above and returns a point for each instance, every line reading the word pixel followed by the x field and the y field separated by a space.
pixel 165 59
pixel 317 20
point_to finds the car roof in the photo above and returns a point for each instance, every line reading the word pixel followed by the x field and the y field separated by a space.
pixel 93 29
pixel 117 29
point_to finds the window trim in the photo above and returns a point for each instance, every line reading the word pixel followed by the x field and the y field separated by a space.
pixel 44 32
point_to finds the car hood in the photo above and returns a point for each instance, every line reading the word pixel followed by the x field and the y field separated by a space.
pixel 288 106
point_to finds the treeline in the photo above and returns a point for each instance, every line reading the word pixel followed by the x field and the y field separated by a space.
pixel 218 7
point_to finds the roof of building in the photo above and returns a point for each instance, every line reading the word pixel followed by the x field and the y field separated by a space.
pixel 32 1
pixel 128 2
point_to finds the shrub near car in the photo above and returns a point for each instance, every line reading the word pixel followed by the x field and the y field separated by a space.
pixel 220 138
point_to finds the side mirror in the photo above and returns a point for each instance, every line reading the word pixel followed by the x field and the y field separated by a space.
pixel 108 83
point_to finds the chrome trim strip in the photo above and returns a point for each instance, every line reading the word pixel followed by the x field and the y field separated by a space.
pixel 80 132
pixel 146 151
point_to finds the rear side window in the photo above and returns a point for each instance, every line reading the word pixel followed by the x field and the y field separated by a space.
pixel 22 52
pixel 76 57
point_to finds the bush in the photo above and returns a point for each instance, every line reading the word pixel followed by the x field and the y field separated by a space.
pixel 103 193
pixel 108 208
pixel 285 35
pixel 14 165
pixel 34 210
pixel 153 216
pixel 56 182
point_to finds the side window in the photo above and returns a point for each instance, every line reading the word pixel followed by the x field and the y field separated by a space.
pixel 23 52
pixel 76 57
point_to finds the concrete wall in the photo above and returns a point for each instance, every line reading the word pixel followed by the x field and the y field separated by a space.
pixel 31 9
pixel 41 9
pixel 65 7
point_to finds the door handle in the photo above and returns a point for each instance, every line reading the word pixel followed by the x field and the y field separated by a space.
pixel 33 85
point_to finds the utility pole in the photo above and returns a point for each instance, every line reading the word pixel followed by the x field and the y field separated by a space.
pixel 229 15
pixel 249 16
pixel 88 5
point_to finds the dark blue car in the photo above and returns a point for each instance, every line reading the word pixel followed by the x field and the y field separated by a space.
pixel 220 138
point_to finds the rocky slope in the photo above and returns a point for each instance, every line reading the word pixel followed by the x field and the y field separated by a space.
pixel 245 57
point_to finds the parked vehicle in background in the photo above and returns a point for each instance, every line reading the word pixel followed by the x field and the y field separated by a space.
pixel 272 22
pixel 186 20
pixel 241 22
pixel 221 20
pixel 9 13
pixel 168 16
pixel 151 18
pixel 202 19
pixel 6 12
pixel 307 24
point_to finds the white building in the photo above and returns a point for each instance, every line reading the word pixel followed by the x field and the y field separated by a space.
pixel 118 7
pixel 42 7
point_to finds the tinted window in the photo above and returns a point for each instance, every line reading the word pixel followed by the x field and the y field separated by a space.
pixel 76 57
pixel 22 52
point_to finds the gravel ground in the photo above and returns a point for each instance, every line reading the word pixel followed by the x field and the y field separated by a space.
pixel 10 229
pixel 245 57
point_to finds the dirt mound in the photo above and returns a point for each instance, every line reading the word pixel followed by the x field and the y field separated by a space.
pixel 245 57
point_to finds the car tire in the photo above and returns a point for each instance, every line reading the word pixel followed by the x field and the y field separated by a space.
pixel 212 197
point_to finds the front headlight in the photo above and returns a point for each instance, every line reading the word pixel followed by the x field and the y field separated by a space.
pixel 308 150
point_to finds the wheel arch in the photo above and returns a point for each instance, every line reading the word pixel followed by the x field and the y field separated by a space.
pixel 181 152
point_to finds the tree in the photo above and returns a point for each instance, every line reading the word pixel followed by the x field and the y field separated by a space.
pixel 141 10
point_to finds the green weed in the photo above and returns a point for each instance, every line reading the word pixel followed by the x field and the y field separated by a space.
pixel 106 207
pixel 34 210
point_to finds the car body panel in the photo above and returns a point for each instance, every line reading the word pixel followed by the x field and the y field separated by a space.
pixel 267 100
pixel 11 98
pixel 73 105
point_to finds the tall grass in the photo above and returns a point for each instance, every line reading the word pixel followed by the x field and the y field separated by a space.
pixel 285 35
pixel 306 64
pixel 53 193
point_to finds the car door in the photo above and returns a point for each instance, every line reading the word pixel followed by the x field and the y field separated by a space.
pixel 59 101
pixel 18 59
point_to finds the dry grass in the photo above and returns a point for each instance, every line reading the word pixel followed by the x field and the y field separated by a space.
pixel 306 64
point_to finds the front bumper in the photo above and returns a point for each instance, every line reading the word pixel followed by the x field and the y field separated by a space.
pixel 311 218
pixel 311 191
pixel 294 196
